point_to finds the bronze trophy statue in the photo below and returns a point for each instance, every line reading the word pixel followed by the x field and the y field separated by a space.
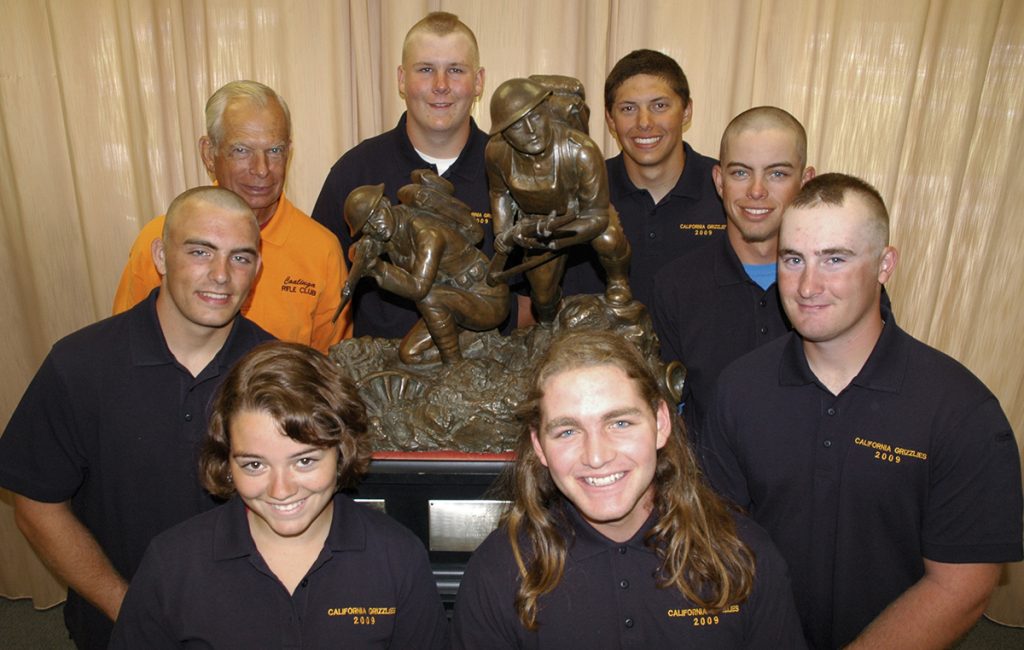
pixel 453 382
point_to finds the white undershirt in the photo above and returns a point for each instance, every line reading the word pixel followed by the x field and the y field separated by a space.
pixel 442 164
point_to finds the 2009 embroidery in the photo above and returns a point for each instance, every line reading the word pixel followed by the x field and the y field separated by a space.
pixel 886 453
pixel 701 229
pixel 361 615
pixel 700 617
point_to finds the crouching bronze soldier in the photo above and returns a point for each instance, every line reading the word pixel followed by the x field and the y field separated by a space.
pixel 431 259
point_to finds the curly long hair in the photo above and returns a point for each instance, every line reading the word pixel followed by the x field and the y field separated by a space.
pixel 695 535
pixel 310 398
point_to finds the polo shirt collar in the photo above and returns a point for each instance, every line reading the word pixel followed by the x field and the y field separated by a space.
pixel 467 165
pixel 241 339
pixel 149 347
pixel 585 542
pixel 405 148
pixel 618 180
pixel 689 184
pixel 145 338
pixel 727 269
pixel 348 529
pixel 884 369
pixel 277 229
pixel 471 158
pixel 231 537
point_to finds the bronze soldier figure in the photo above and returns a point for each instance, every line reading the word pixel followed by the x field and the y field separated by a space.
pixel 431 259
pixel 549 191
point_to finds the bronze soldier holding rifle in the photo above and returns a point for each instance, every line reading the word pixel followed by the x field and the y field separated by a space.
pixel 429 240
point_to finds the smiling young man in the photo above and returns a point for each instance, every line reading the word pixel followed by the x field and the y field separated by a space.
pixel 612 538
pixel 440 79
pixel 716 304
pixel 884 470
pixel 246 150
pixel 101 450
pixel 661 188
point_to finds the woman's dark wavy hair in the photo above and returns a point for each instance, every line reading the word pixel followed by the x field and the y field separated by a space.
pixel 310 398
pixel 695 535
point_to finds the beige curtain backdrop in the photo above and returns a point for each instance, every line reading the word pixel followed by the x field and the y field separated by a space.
pixel 101 107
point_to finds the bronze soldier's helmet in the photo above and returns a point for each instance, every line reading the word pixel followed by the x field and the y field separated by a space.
pixel 514 99
pixel 360 204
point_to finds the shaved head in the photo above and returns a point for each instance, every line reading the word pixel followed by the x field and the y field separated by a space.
pixel 763 118
pixel 210 195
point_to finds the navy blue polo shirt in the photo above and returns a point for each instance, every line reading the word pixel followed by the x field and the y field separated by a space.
pixel 707 313
pixel 113 422
pixel 608 597
pixel 914 459
pixel 390 158
pixel 204 584
pixel 689 216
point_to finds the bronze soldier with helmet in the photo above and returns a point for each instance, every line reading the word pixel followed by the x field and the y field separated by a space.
pixel 432 260
pixel 549 191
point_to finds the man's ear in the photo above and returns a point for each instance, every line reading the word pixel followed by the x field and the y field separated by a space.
pixel 611 125
pixel 809 173
pixel 890 258
pixel 478 84
pixel 537 448
pixel 207 152
pixel 687 114
pixel 401 81
pixel 716 175
pixel 663 421
pixel 159 256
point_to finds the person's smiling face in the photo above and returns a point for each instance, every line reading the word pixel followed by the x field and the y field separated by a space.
pixel 648 118
pixel 439 79
pixel 600 439
pixel 287 486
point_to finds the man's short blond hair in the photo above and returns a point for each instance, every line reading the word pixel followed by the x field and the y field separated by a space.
pixel 442 23
pixel 833 189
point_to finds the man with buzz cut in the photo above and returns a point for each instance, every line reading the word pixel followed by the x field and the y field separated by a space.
pixel 440 79
pixel 886 473
pixel 101 452
pixel 661 188
pixel 246 150
pixel 715 304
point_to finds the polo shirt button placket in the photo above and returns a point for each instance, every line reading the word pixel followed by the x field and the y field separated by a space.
pixel 188 417
pixel 624 584
pixel 830 411
pixel 628 623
